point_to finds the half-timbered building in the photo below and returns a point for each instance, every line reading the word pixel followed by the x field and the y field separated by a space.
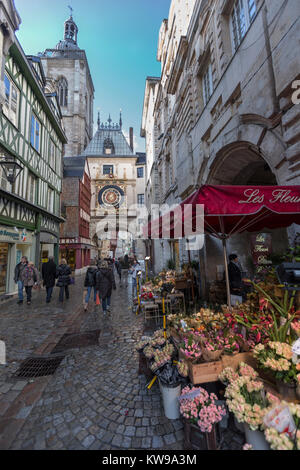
pixel 30 134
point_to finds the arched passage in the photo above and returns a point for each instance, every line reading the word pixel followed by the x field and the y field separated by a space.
pixel 239 163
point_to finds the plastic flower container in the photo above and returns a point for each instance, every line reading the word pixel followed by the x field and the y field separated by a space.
pixel 256 439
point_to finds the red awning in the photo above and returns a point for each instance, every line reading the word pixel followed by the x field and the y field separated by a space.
pixel 233 209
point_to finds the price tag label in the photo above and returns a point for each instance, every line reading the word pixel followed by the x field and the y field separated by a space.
pixel 296 347
pixel 190 396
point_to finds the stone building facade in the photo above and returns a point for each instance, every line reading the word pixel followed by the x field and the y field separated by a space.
pixel 67 71
pixel 118 191
pixel 222 112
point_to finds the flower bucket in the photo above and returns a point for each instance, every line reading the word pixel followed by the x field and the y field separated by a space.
pixel 287 391
pixel 239 426
pixel 256 439
pixel 170 400
pixel 211 356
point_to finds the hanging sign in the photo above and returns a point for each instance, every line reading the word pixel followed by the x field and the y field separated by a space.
pixel 261 248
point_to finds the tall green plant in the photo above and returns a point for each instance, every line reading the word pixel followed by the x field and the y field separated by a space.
pixel 281 315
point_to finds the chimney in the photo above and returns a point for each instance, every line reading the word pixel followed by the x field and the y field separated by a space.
pixel 131 137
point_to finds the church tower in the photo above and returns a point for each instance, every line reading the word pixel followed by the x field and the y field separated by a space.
pixel 67 71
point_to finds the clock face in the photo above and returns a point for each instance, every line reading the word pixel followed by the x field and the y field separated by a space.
pixel 111 196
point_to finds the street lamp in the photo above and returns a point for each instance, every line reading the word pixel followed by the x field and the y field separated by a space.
pixel 11 168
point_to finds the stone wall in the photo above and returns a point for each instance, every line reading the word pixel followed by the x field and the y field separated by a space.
pixel 246 129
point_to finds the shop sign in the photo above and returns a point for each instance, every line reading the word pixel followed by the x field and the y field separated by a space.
pixel 261 247
pixel 14 235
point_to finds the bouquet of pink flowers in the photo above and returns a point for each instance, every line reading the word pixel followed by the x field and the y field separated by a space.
pixel 201 409
pixel 191 350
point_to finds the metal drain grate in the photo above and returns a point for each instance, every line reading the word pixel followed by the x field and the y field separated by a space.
pixel 38 366
pixel 77 340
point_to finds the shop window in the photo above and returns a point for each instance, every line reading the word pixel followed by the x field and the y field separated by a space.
pixel 3 266
pixel 10 106
pixel 35 133
pixel 50 200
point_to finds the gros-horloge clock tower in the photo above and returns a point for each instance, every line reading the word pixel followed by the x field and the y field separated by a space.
pixel 118 188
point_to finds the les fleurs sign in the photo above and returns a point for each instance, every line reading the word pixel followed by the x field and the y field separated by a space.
pixel 255 196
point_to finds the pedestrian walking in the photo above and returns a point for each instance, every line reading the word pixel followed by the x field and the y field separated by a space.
pixel 105 283
pixel 135 268
pixel 90 283
pixel 119 271
pixel 49 276
pixel 63 274
pixel 29 277
pixel 18 271
pixel 124 270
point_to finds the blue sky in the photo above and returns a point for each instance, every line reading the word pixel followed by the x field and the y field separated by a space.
pixel 120 38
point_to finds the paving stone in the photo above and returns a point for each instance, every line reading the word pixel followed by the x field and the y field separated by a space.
pixel 126 444
pixel 141 432
pixel 129 431
pixel 107 437
pixel 19 386
pixel 157 442
pixel 88 441
pixel 146 443
pixel 117 440
pixel 170 439
pixel 24 412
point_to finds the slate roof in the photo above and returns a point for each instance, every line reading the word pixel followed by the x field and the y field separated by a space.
pixel 96 146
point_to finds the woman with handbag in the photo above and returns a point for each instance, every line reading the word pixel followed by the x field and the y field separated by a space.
pixel 63 274
pixel 30 278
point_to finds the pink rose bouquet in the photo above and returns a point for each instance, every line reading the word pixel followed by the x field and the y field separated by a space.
pixel 201 410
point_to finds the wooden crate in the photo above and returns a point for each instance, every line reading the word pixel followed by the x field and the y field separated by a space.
pixel 234 361
pixel 194 439
pixel 206 372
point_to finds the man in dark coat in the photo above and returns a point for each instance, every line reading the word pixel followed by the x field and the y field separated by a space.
pixel 63 273
pixel 49 276
pixel 90 283
pixel 118 268
pixel 105 282
pixel 235 273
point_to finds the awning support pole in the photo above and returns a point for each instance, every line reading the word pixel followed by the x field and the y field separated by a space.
pixel 226 272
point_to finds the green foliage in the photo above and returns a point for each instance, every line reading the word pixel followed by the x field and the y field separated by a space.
pixel 171 265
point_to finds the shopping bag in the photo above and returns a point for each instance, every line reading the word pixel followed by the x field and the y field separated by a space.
pixel 97 299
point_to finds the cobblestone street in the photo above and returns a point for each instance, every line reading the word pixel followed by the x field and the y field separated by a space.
pixel 96 399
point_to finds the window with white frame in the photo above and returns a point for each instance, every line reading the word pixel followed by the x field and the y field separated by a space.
pixel 207 84
pixel 108 170
pixel 50 200
pixel 35 133
pixel 140 172
pixel 141 199
pixel 52 154
pixel 31 188
pixel 242 15
pixel 12 94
